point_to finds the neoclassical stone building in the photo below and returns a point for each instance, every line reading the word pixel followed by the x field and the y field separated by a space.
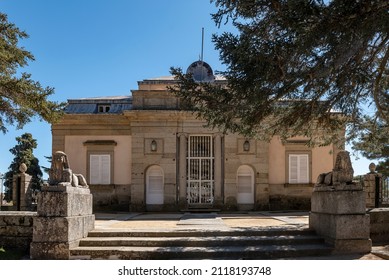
pixel 142 152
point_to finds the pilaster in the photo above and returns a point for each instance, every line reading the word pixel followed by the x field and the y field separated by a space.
pixel 182 170
pixel 218 198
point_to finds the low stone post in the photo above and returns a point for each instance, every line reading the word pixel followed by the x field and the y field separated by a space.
pixel 338 211
pixel 21 190
pixel 369 182
pixel 64 213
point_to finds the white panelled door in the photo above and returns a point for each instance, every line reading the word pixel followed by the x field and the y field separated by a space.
pixel 245 185
pixel 154 185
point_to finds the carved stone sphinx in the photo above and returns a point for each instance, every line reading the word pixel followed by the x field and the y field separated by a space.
pixel 60 172
pixel 342 173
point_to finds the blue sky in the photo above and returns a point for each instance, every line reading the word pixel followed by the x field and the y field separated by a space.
pixel 88 48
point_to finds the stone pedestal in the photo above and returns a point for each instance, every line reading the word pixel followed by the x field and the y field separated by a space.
pixel 338 213
pixel 64 217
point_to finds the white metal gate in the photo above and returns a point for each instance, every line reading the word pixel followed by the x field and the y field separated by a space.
pixel 200 175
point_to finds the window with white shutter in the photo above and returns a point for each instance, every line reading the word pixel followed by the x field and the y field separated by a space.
pixel 100 169
pixel 298 168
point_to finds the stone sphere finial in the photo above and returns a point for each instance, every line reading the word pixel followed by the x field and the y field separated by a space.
pixel 23 168
pixel 372 167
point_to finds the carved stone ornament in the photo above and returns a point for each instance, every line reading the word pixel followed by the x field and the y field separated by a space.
pixel 342 173
pixel 23 168
pixel 60 172
pixel 372 167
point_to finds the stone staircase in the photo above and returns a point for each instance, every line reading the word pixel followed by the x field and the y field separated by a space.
pixel 267 243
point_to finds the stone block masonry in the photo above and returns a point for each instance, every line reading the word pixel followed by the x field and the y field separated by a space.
pixel 16 229
pixel 341 221
pixel 64 217
pixel 337 215
pixel 338 211
pixel 65 202
pixel 369 182
pixel 379 225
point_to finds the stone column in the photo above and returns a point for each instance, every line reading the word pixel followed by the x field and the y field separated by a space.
pixel 182 171
pixel 64 217
pixel 218 199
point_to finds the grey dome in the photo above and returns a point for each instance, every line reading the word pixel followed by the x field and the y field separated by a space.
pixel 201 71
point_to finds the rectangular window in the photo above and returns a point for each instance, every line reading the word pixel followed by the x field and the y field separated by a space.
pixel 103 108
pixel 100 169
pixel 298 169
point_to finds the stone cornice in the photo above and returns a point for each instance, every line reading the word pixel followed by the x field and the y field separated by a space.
pixel 100 143
pixel 172 115
pixel 107 119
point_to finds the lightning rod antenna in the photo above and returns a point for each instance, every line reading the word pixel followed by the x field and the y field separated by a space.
pixel 202 45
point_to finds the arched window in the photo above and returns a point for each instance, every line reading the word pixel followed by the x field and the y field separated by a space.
pixel 245 185
pixel 154 185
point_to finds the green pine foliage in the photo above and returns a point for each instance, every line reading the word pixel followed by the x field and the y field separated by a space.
pixel 383 167
pixel 373 143
pixel 21 98
pixel 23 153
pixel 296 67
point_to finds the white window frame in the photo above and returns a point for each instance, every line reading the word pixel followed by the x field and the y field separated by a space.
pixel 103 162
pixel 299 168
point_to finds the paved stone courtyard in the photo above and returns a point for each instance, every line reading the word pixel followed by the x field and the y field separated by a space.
pixel 199 220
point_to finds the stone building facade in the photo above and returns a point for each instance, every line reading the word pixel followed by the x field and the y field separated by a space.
pixel 142 152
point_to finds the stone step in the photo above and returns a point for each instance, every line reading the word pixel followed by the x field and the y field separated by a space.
pixel 269 243
pixel 230 252
pixel 200 210
pixel 199 241
pixel 199 233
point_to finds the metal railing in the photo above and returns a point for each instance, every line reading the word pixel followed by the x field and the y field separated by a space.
pixel 384 192
pixel 200 170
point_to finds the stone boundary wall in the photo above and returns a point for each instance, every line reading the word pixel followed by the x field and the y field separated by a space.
pixel 379 225
pixel 111 197
pixel 290 196
pixel 16 229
